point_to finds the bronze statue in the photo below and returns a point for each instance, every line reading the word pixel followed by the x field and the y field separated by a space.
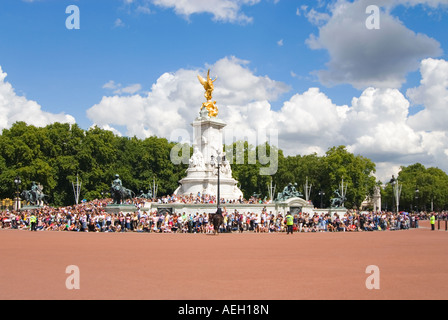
pixel 288 192
pixel 35 195
pixel 118 192
pixel 209 87
pixel 337 201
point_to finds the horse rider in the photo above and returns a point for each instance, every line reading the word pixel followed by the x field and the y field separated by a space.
pixel 35 191
pixel 116 184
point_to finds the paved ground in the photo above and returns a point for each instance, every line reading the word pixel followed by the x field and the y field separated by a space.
pixel 413 264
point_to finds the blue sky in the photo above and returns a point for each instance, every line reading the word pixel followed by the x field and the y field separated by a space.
pixel 64 70
pixel 283 48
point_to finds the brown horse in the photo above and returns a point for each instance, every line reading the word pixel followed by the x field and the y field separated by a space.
pixel 217 219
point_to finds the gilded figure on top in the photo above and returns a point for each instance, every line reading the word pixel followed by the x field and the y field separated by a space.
pixel 209 87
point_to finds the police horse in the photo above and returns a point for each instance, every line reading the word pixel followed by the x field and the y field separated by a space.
pixel 217 219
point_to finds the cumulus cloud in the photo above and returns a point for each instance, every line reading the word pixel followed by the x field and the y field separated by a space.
pixel 315 17
pixel 15 108
pixel 433 94
pixel 430 3
pixel 362 57
pixel 119 89
pixel 308 120
pixel 221 10
pixel 175 99
pixel 376 124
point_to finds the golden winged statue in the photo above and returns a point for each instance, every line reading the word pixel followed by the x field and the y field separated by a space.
pixel 208 86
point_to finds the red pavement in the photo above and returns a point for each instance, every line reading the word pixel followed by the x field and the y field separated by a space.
pixel 413 264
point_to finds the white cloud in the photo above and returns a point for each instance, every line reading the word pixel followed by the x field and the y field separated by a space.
pixel 280 43
pixel 431 3
pixel 143 9
pixel 175 99
pixel 309 119
pixel 118 89
pixel 107 127
pixel 433 94
pixel 222 10
pixel 376 124
pixel 131 89
pixel 317 18
pixel 110 85
pixel 363 57
pixel 118 23
pixel 15 108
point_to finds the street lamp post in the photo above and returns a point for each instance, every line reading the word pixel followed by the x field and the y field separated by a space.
pixel 396 187
pixel 219 162
pixel 343 188
pixel 77 189
pixel 17 181
pixel 307 190
pixel 416 198
pixel 321 193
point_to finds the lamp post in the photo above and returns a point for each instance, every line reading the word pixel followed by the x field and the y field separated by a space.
pixel 343 188
pixel 155 187
pixel 307 190
pixel 321 193
pixel 396 187
pixel 17 181
pixel 219 162
pixel 416 198
pixel 77 189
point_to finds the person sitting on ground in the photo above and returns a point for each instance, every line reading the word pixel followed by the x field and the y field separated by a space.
pixel 331 226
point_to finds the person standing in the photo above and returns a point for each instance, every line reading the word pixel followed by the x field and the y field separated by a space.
pixel 33 221
pixel 289 219
pixel 432 221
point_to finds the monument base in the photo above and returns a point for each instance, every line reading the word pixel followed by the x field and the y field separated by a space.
pixel 294 205
pixel 30 207
pixel 202 173
pixel 123 208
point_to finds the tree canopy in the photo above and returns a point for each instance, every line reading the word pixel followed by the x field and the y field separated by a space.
pixel 55 154
pixel 421 189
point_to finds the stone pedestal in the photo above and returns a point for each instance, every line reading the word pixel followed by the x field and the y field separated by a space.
pixel 202 176
pixel 17 203
pixel 123 208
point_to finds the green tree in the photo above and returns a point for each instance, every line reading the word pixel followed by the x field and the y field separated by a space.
pixel 356 171
pixel 422 188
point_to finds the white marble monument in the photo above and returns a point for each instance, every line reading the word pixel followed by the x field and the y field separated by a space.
pixel 202 174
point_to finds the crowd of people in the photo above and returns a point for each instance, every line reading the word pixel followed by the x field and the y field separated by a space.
pixel 93 217
pixel 210 199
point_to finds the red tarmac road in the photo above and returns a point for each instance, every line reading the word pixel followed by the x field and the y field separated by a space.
pixel 413 264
